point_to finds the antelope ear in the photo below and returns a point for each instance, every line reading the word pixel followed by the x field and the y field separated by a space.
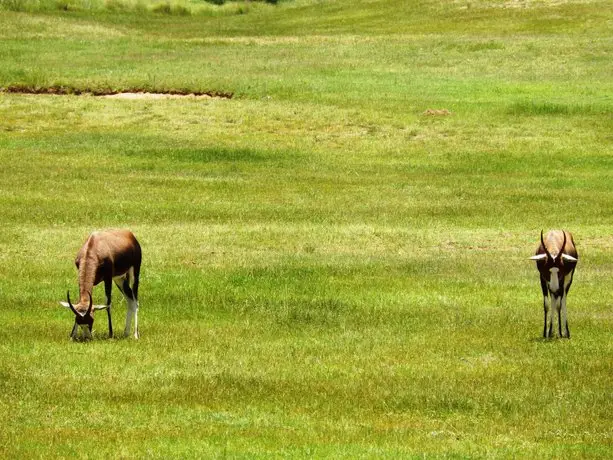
pixel 64 304
pixel 539 257
pixel 100 307
pixel 569 258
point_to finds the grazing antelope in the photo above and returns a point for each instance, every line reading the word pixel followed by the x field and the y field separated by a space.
pixel 556 259
pixel 112 255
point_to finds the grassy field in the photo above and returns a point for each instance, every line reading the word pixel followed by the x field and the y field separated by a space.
pixel 336 258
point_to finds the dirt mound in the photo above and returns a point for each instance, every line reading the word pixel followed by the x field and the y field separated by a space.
pixel 437 112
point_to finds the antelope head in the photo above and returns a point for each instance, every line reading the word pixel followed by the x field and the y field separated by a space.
pixel 552 266
pixel 83 320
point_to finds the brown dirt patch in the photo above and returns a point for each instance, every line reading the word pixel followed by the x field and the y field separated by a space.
pixel 130 93
pixel 145 95
pixel 437 112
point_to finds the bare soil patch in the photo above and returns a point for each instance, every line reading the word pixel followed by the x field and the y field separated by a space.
pixel 144 95
pixel 437 112
pixel 130 93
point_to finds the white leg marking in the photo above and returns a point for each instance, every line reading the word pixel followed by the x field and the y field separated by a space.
pixel 558 320
pixel 548 314
pixel 136 335
pixel 131 313
pixel 563 319
pixel 126 331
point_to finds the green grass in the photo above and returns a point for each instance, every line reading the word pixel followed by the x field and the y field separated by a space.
pixel 328 271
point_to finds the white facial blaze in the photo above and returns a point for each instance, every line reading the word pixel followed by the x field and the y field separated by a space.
pixel 554 284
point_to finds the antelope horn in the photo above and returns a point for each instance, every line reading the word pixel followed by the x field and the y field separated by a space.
pixel 545 247
pixel 74 310
pixel 89 309
pixel 563 244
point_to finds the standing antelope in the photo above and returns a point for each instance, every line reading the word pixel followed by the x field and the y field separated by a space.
pixel 112 255
pixel 556 259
